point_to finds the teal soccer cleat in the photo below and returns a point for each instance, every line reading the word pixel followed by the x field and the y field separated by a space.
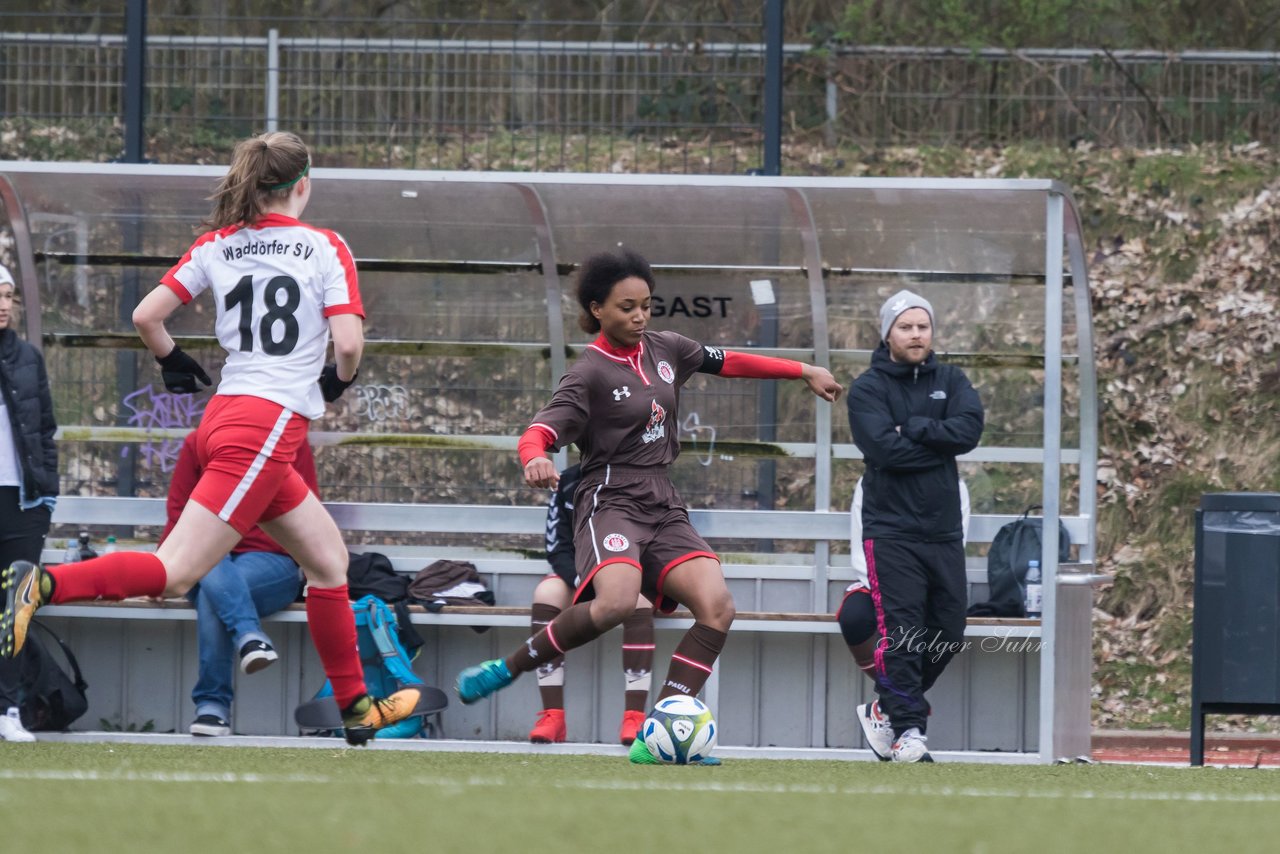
pixel 476 683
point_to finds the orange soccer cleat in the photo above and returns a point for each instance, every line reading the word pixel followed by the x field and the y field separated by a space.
pixel 630 729
pixel 550 728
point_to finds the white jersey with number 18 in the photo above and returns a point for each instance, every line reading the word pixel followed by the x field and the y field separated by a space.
pixel 275 284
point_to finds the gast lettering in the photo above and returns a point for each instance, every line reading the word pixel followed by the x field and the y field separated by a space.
pixel 691 306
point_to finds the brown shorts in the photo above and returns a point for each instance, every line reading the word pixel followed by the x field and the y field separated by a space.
pixel 626 514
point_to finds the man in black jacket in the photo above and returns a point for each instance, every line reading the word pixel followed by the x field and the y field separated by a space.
pixel 911 417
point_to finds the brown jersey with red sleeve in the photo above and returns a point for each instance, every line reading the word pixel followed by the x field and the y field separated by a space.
pixel 620 406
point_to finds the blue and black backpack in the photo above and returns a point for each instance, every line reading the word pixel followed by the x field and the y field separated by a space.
pixel 388 667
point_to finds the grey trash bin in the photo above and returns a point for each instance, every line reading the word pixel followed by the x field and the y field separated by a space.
pixel 1235 652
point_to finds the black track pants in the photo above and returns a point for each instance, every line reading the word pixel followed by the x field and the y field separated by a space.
pixel 920 595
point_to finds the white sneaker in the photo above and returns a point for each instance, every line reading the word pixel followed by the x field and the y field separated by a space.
pixel 11 728
pixel 877 729
pixel 910 747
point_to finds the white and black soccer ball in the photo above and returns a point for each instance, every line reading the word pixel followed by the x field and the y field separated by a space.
pixel 679 731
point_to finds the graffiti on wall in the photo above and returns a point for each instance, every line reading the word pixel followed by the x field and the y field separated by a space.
pixel 155 409
pixel 381 403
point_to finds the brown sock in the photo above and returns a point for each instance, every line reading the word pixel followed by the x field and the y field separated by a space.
pixel 572 628
pixel 550 673
pixel 637 658
pixel 692 661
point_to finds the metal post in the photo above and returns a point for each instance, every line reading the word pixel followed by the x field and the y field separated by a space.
pixel 773 35
pixel 829 128
pixel 1052 471
pixel 135 95
pixel 767 401
pixel 273 80
pixel 767 404
pixel 135 81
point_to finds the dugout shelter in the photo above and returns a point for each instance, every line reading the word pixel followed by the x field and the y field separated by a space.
pixel 467 280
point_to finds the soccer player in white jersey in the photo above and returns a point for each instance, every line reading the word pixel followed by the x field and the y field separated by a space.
pixel 281 288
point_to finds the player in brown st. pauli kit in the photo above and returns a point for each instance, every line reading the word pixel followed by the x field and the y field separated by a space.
pixel 553 595
pixel 619 403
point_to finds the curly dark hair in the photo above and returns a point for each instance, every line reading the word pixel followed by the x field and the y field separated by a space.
pixel 600 273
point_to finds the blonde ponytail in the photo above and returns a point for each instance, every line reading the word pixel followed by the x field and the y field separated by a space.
pixel 263 168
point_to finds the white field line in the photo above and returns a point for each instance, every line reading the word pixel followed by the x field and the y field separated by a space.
pixel 665 783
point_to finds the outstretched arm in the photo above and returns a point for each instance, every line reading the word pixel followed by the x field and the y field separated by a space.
pixel 730 363
pixel 822 383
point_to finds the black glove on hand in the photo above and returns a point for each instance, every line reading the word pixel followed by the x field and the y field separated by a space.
pixel 331 386
pixel 180 372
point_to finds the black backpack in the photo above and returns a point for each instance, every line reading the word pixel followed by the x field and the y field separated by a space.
pixel 48 699
pixel 1014 545
pixel 372 574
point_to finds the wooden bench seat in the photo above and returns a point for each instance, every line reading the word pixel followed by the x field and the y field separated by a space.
pixel 500 615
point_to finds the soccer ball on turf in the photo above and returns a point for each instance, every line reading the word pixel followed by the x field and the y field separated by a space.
pixel 679 731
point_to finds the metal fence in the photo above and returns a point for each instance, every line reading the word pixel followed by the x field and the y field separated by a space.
pixel 489 103
pixel 481 103
pixel 1138 98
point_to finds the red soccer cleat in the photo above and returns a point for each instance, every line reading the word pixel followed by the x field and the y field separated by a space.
pixel 631 723
pixel 550 728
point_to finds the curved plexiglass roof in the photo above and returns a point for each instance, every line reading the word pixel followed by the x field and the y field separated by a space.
pixel 473 272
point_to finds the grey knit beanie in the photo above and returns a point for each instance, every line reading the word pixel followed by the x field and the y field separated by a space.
pixel 896 305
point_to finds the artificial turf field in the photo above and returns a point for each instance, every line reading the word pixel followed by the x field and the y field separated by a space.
pixel 111 798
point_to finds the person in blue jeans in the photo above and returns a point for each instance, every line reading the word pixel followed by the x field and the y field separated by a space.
pixel 257 579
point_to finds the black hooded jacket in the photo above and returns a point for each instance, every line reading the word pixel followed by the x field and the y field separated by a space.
pixel 25 386
pixel 910 488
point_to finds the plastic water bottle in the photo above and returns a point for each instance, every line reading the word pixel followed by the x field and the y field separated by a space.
pixel 110 547
pixel 72 554
pixel 1035 590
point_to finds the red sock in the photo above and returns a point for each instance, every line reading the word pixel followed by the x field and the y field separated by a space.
pixel 114 576
pixel 333 631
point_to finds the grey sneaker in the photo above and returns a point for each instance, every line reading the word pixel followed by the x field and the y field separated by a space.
pixel 910 747
pixel 877 729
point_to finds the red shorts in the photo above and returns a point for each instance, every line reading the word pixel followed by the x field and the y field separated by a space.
pixel 245 446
